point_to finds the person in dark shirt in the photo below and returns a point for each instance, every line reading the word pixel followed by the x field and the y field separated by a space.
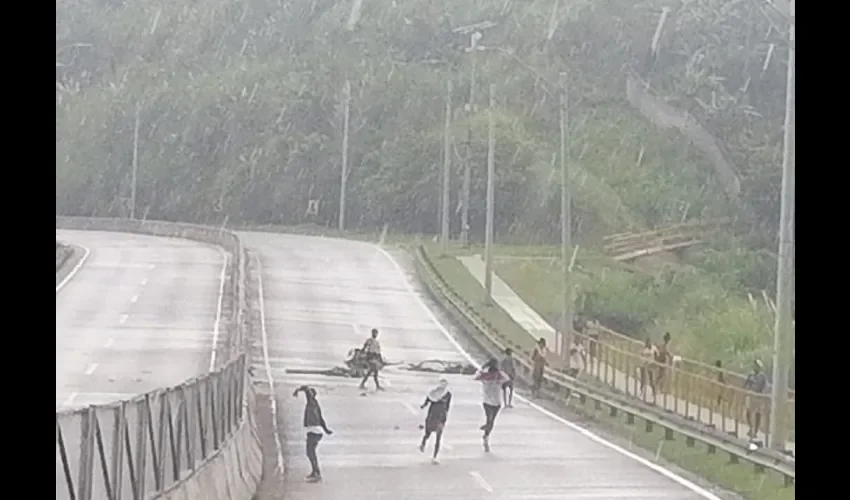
pixel 663 357
pixel 314 424
pixel 721 382
pixel 756 383
pixel 438 402
pixel 374 359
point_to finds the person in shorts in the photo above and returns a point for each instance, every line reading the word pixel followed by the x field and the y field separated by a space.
pixel 538 359
pixel 491 379
pixel 315 427
pixel 372 350
pixel 508 367
pixel 756 383
pixel 438 402
pixel 647 373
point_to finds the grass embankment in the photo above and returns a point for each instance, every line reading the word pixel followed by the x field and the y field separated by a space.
pixel 715 468
pixel 706 320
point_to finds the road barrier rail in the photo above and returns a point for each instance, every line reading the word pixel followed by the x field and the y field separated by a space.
pixel 195 440
pixel 562 387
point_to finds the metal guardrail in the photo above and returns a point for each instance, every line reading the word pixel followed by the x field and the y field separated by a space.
pixel 562 387
pixel 62 254
pixel 693 383
pixel 142 447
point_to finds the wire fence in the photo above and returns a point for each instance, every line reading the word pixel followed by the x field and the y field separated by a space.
pixel 137 448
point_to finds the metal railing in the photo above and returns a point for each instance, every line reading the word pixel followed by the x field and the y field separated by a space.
pixel 692 389
pixel 136 448
pixel 145 446
pixel 563 387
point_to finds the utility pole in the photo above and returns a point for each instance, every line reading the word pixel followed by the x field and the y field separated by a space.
pixel 135 167
pixel 346 100
pixel 467 168
pixel 447 171
pixel 491 181
pixel 783 328
pixel 566 225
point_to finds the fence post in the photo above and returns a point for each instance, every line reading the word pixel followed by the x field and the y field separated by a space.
pixel 86 472
pixel 118 449
pixel 141 446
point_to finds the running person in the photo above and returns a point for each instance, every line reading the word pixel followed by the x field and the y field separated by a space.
pixel 372 349
pixel 508 368
pixel 491 379
pixel 438 402
pixel 314 424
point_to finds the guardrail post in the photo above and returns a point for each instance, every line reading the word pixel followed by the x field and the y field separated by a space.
pixel 143 410
pixel 86 472
pixel 118 431
pixel 159 456
pixel 63 456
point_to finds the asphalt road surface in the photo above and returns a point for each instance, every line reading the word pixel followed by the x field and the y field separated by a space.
pixel 140 313
pixel 321 297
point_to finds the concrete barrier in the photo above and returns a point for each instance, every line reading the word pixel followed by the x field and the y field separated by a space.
pixel 233 472
pixel 63 253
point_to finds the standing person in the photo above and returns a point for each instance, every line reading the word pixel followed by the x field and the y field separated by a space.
pixel 538 358
pixel 372 350
pixel 663 357
pixel 508 368
pixel 578 358
pixel 721 388
pixel 491 379
pixel 314 424
pixel 438 402
pixel 649 354
pixel 756 382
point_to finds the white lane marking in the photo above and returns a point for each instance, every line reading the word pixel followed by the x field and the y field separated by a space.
pixel 92 367
pixel 70 399
pixel 144 281
pixel 410 408
pixel 74 270
pixel 593 437
pixel 268 368
pixel 134 299
pixel 482 483
pixel 123 318
pixel 109 343
pixel 217 323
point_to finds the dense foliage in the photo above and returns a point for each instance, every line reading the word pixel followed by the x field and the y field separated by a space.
pixel 240 116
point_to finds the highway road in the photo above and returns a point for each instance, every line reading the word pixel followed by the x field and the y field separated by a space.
pixel 140 313
pixel 320 298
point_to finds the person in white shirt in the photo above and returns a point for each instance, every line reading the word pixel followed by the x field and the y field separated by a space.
pixel 372 349
pixel 578 358
pixel 491 379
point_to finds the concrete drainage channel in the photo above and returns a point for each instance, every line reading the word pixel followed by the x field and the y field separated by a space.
pixel 234 470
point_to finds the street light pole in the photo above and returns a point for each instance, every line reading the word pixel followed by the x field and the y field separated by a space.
pixel 135 166
pixel 783 328
pixel 491 181
pixel 343 183
pixel 447 170
pixel 566 224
